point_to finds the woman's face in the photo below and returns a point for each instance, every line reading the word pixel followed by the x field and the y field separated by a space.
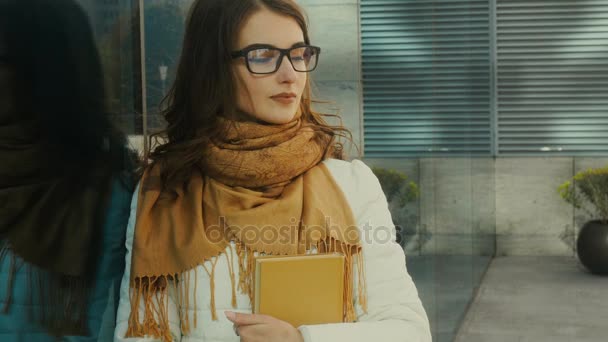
pixel 272 98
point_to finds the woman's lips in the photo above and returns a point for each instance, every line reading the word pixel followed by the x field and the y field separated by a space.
pixel 284 98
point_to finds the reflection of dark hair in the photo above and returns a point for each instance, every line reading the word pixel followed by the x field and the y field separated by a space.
pixel 204 85
pixel 50 47
pixel 60 104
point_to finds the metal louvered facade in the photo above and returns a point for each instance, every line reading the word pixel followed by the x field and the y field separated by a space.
pixel 426 77
pixel 495 77
pixel 552 77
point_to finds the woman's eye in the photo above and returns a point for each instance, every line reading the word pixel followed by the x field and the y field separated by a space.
pixel 302 54
pixel 262 56
pixel 260 60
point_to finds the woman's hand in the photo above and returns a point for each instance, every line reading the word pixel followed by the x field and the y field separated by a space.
pixel 263 328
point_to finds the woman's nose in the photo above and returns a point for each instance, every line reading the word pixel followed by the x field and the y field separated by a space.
pixel 286 72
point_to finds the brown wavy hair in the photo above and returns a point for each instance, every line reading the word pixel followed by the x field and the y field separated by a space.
pixel 205 88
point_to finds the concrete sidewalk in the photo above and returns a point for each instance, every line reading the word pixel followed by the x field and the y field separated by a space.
pixel 536 299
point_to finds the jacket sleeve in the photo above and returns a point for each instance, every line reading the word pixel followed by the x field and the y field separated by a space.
pixel 105 295
pixel 101 316
pixel 394 310
pixel 124 306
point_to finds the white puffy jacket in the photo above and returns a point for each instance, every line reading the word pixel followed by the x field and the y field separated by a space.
pixel 394 311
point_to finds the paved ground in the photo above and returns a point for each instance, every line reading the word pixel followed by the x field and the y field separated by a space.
pixel 537 299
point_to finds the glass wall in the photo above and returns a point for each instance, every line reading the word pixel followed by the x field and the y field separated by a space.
pixel 115 25
pixel 447 230
pixel 139 56
pixel 164 31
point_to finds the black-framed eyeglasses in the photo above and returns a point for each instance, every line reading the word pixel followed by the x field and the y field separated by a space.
pixel 266 59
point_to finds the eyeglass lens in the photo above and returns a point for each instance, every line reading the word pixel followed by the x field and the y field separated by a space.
pixel 264 60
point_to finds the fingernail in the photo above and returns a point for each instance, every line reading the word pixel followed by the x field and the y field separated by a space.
pixel 229 315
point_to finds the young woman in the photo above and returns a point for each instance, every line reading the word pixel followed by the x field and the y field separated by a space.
pixel 243 157
pixel 65 179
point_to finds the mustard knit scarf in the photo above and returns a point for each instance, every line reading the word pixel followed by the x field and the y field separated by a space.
pixel 263 177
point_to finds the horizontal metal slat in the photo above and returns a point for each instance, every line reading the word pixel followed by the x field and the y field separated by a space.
pixel 557 43
pixel 541 4
pixel 563 8
pixel 548 128
pixel 546 114
pixel 424 126
pixel 461 28
pixel 407 18
pixel 406 112
pixel 437 33
pixel 548 97
pixel 550 16
pixel 545 24
pixel 368 6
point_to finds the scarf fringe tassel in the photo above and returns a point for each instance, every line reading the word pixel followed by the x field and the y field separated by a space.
pixel 150 295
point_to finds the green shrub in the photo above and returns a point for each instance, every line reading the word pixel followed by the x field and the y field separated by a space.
pixel 396 186
pixel 586 189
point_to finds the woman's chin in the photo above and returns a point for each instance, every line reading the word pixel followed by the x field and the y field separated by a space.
pixel 274 116
pixel 278 119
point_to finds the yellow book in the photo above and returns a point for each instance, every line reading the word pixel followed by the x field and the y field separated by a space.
pixel 300 289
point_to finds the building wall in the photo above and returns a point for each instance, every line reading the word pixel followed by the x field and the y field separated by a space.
pixel 464 201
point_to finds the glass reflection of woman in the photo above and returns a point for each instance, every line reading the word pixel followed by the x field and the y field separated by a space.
pixel 65 179
pixel 243 149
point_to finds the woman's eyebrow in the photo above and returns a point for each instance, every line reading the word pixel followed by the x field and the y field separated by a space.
pixel 260 45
